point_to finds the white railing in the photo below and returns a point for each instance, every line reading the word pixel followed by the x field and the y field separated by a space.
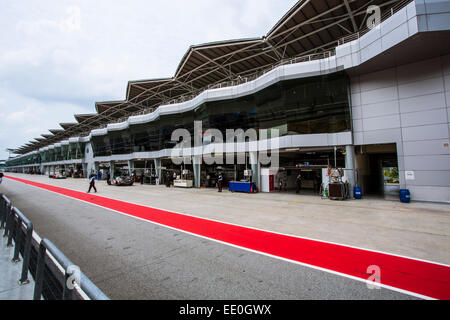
pixel 397 7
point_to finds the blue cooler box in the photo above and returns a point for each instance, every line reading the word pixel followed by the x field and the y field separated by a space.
pixel 405 196
pixel 357 192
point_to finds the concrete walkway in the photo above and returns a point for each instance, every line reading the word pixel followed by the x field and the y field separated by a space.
pixel 10 274
pixel 417 229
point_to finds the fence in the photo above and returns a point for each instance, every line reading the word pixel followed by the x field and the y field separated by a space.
pixel 56 277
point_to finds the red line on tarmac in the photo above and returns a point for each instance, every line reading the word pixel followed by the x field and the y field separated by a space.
pixel 415 276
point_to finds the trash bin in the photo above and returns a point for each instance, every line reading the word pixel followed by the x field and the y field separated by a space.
pixel 405 196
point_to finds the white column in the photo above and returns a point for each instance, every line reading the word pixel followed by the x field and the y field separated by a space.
pixel 196 164
pixel 157 163
pixel 253 155
pixel 112 168
pixel 350 166
pixel 131 166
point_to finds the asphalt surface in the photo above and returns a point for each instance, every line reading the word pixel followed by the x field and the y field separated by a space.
pixel 133 259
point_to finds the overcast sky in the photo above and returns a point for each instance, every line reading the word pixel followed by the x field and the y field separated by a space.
pixel 58 57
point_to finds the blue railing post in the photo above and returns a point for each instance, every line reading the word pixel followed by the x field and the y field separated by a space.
pixel 9 231
pixel 6 208
pixel 67 292
pixel 18 238
pixel 39 279
pixel 2 211
pixel 23 221
pixel 26 256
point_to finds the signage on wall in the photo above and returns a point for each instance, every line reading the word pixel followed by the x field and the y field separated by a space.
pixel 409 175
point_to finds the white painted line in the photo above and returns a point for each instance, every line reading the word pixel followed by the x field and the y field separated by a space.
pixel 254 251
pixel 243 226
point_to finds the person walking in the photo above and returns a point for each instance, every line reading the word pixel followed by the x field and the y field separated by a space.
pixel 92 183
pixel 142 177
pixel 298 183
pixel 220 181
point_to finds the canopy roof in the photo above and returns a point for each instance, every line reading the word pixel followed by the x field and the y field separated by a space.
pixel 309 27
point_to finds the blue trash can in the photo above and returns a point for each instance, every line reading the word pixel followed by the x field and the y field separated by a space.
pixel 357 192
pixel 405 196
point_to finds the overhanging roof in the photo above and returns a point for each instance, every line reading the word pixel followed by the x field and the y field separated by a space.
pixel 66 126
pixel 309 27
pixel 56 131
pixel 83 117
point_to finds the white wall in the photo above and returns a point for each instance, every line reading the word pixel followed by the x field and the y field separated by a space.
pixel 409 105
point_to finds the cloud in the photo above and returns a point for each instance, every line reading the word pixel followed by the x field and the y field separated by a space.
pixel 73 21
pixel 70 23
pixel 63 56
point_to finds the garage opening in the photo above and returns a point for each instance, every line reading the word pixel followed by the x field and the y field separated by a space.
pixel 309 163
pixel 377 170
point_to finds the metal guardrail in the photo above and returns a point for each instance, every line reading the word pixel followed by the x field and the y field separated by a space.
pixel 70 286
pixel 4 204
pixel 22 224
pixel 56 277
pixel 244 79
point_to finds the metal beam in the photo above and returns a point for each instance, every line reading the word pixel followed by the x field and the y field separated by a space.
pixel 352 18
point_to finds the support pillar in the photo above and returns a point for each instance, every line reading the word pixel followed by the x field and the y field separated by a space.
pixel 131 166
pixel 112 169
pixel 196 164
pixel 158 168
pixel 84 168
pixel 253 155
pixel 350 166
pixel 96 167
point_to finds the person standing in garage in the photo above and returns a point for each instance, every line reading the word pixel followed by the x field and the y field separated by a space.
pixel 108 178
pixel 298 183
pixel 168 178
pixel 220 181
pixel 317 183
pixel 174 178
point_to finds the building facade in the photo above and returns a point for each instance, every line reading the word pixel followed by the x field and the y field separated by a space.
pixel 376 103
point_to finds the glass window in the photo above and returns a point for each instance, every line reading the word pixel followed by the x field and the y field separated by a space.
pixel 301 106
